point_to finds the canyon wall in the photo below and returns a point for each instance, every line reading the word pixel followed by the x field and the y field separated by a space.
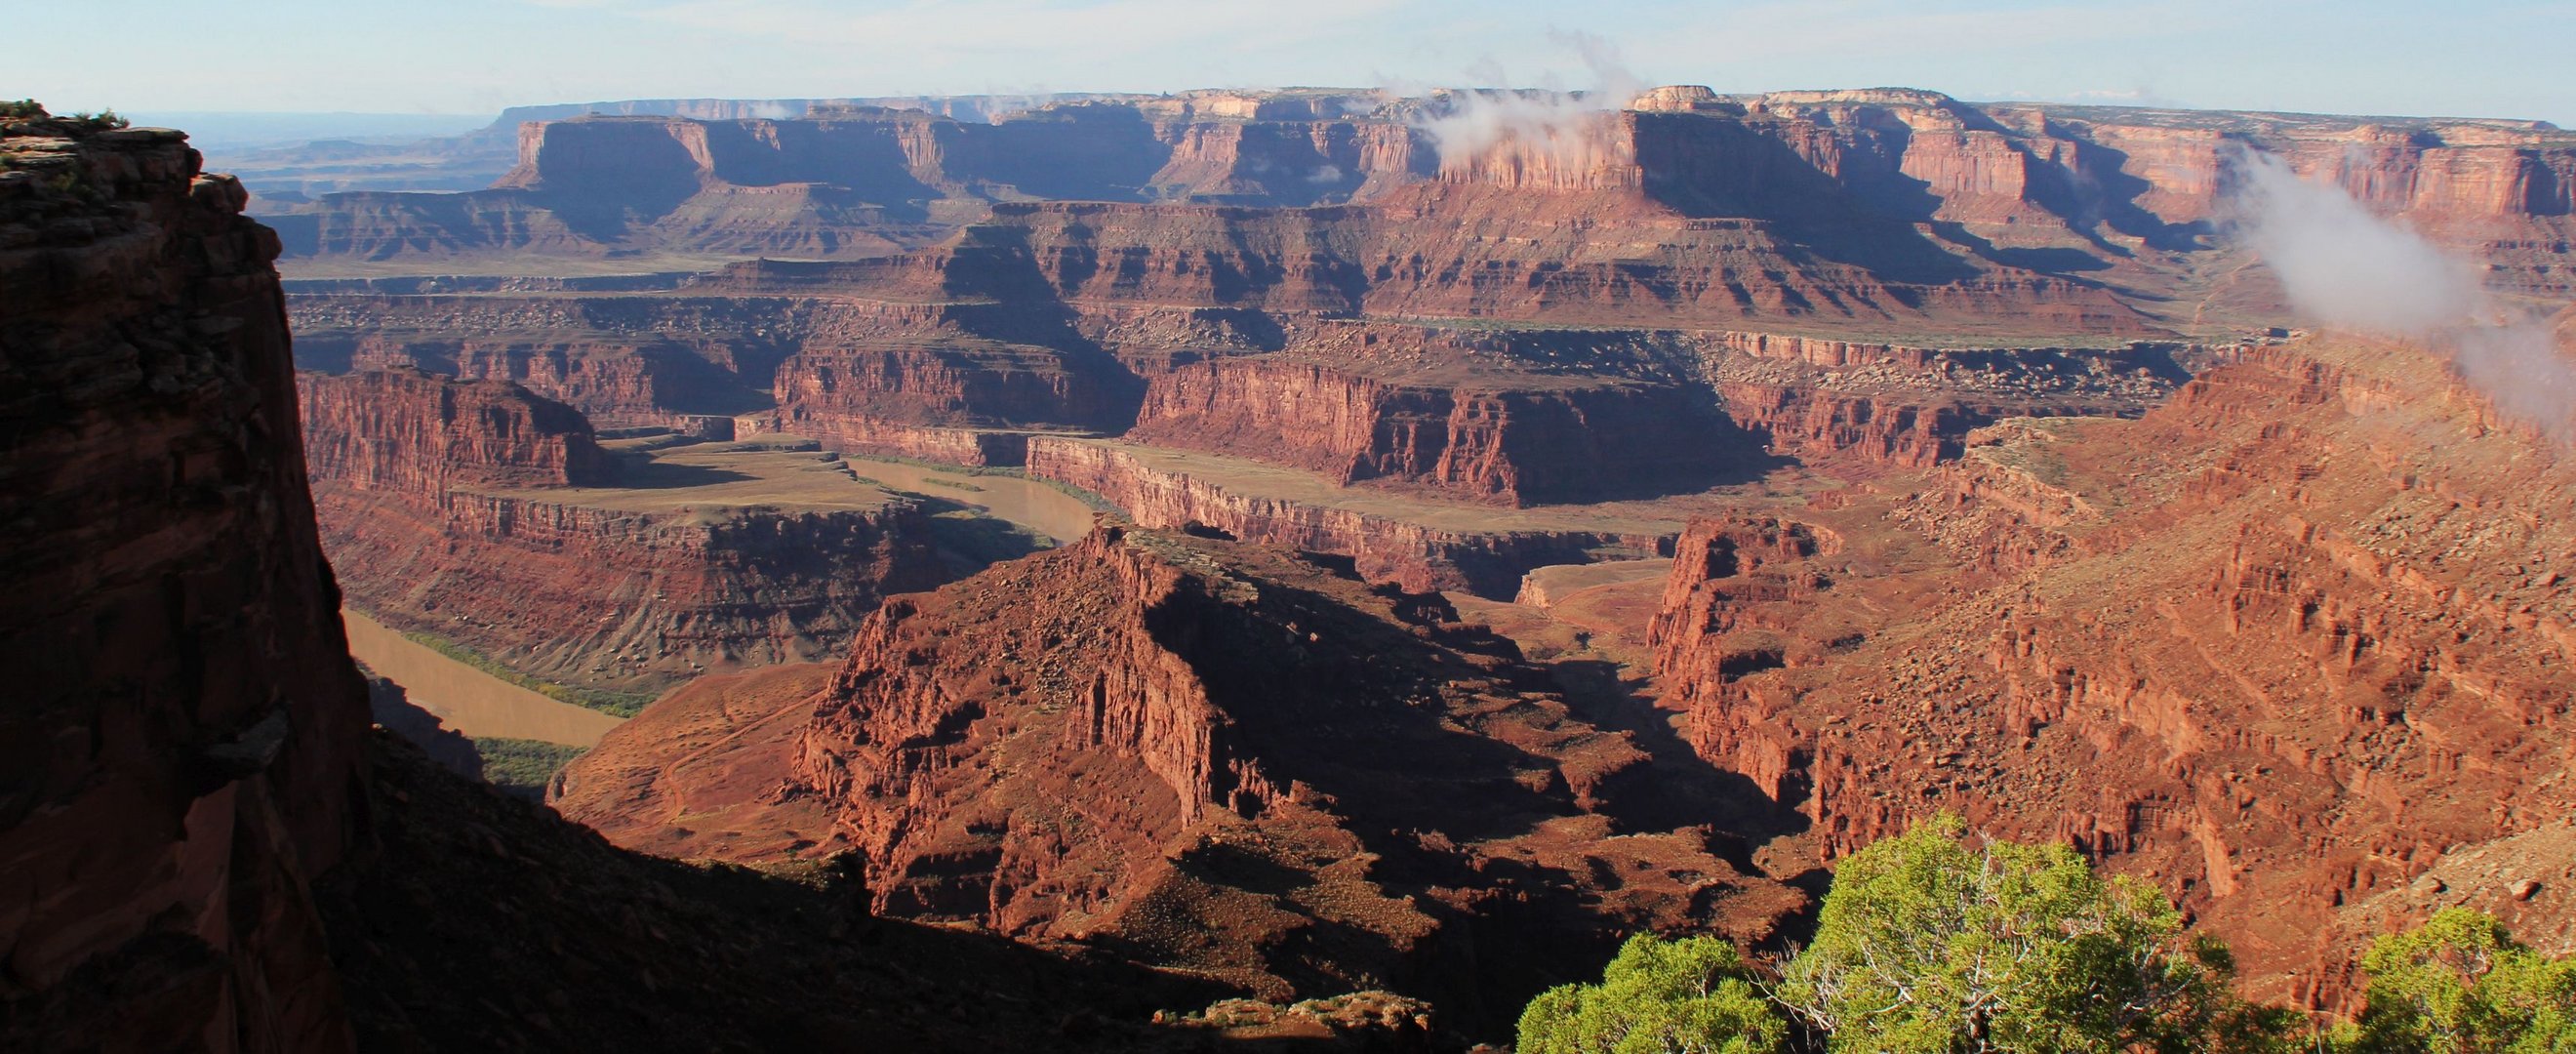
pixel 206 850
pixel 1549 443
pixel 623 600
pixel 2282 646
pixel 185 726
pixel 1866 205
pixel 622 359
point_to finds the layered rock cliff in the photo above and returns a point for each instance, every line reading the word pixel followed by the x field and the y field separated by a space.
pixel 1866 207
pixel 185 725
pixel 624 360
pixel 436 508
pixel 1554 440
pixel 405 432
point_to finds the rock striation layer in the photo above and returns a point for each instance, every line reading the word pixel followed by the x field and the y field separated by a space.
pixel 1877 202
pixel 1549 442
pixel 405 432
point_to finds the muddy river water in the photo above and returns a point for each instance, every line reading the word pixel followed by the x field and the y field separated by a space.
pixel 467 699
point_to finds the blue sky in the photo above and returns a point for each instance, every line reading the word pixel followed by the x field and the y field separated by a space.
pixel 2494 59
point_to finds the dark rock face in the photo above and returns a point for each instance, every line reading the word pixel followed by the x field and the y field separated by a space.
pixel 185 724
pixel 393 710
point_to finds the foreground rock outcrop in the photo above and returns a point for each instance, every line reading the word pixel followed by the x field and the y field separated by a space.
pixel 184 733
pixel 1214 757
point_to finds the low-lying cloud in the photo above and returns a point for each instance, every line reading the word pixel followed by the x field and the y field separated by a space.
pixel 1564 127
pixel 2344 267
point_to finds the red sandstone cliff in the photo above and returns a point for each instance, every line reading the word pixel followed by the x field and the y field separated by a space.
pixel 409 433
pixel 1807 203
pixel 1555 440
pixel 184 727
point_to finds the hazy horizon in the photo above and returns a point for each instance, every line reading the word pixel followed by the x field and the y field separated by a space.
pixel 477 57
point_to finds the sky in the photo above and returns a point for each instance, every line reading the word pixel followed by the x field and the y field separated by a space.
pixel 2482 58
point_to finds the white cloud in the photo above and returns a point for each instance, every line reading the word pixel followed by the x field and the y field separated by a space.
pixel 2347 268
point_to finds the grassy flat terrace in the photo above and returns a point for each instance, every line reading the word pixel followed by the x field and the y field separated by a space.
pixel 1664 515
pixel 717 478
pixel 505 265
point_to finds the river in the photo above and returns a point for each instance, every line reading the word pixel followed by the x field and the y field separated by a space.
pixel 467 699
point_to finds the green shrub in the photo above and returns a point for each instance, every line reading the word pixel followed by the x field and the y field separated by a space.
pixel 21 109
pixel 1693 994
pixel 523 767
pixel 2460 984
pixel 1926 944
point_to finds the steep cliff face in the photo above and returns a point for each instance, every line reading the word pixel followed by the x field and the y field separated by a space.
pixel 1809 424
pixel 1211 756
pixel 890 399
pixel 1179 255
pixel 406 432
pixel 2282 646
pixel 1870 406
pixel 185 723
pixel 1557 440
pixel 368 225
pixel 623 599
pixel 479 513
pixel 1481 249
